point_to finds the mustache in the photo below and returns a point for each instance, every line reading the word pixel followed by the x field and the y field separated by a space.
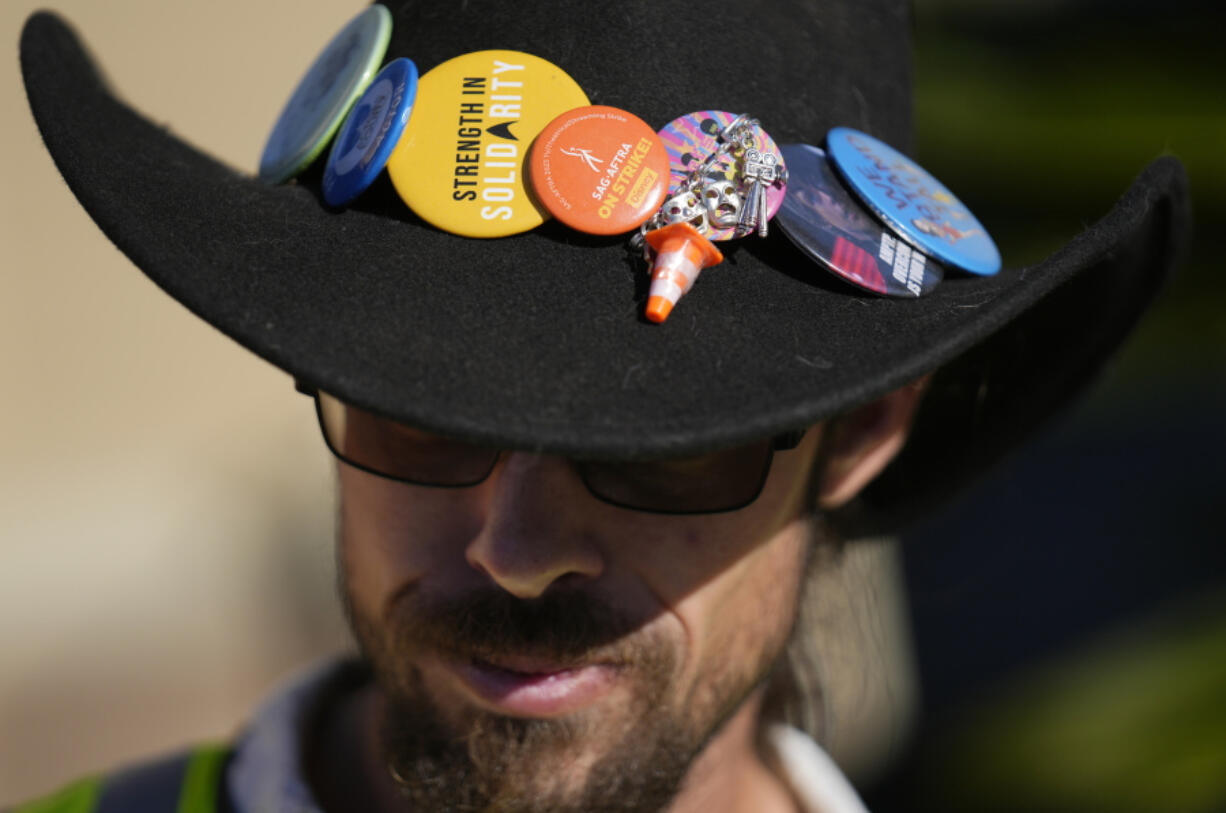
pixel 560 626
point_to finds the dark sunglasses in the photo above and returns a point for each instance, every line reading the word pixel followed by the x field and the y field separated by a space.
pixel 702 484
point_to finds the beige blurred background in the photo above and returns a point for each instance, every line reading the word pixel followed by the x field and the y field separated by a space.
pixel 165 504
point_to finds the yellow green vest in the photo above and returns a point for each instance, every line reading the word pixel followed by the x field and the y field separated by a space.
pixel 186 783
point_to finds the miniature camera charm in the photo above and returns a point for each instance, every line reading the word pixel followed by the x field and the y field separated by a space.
pixel 760 172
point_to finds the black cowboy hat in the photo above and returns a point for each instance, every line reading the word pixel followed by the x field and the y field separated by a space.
pixel 538 341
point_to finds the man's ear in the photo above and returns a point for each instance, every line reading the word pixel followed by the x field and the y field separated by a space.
pixel 860 444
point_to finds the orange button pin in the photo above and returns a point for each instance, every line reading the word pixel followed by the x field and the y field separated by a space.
pixel 599 170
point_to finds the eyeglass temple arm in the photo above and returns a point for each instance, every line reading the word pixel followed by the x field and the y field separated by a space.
pixel 788 440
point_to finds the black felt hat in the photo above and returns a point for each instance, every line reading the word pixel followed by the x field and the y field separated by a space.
pixel 538 340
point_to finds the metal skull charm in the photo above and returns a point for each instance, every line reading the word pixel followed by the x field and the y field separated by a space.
pixel 684 207
pixel 723 202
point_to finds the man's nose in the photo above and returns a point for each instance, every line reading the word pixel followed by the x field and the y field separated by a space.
pixel 535 534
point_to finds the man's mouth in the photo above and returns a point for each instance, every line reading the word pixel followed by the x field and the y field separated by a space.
pixel 533 687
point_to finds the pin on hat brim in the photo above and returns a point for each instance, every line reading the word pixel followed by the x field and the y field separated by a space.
pixel 534 341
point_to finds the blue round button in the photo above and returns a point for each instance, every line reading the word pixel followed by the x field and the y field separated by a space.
pixel 827 223
pixel 324 95
pixel 370 132
pixel 912 202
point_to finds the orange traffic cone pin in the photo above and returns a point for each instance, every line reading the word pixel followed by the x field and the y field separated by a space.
pixel 681 253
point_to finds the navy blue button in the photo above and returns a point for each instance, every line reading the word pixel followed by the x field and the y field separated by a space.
pixel 911 202
pixel 324 95
pixel 370 133
pixel 829 224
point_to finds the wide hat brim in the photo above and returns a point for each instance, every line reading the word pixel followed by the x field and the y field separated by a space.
pixel 538 341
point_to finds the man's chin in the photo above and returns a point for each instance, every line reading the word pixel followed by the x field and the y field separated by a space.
pixel 482 760
pixel 491 703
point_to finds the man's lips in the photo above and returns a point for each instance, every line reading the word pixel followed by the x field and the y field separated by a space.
pixel 532 687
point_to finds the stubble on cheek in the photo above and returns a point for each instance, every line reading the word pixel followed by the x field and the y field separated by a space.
pixel 751 621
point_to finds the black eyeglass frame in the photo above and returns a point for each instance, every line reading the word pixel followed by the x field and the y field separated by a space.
pixel 782 442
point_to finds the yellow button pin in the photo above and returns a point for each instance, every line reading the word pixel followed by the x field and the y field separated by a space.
pixel 461 164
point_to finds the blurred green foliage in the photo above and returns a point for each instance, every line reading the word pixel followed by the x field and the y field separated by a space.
pixel 1133 724
pixel 1039 114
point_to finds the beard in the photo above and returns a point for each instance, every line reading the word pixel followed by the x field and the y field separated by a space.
pixel 634 756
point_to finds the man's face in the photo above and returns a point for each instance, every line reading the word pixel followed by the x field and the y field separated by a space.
pixel 537 648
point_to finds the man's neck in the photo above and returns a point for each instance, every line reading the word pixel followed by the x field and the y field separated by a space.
pixel 730 776
pixel 346 770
